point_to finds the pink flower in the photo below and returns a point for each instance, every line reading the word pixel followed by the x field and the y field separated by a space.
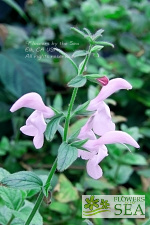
pixel 33 101
pixel 97 150
pixel 35 124
pixel 100 122
pixel 113 86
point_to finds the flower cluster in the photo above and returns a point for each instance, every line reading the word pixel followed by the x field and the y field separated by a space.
pixel 99 129
pixel 100 124
pixel 35 124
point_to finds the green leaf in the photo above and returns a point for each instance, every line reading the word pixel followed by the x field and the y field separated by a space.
pixel 67 192
pixel 60 207
pixel 3 173
pixel 78 81
pixel 79 144
pixel 66 156
pixel 16 7
pixel 24 74
pixel 17 35
pixel 105 43
pixel 144 173
pixel 136 83
pixel 98 34
pixel 82 67
pixel 94 76
pixel 73 137
pixel 88 222
pixel 17 221
pixel 5 215
pixel 81 109
pixel 129 43
pixel 96 48
pixel 58 102
pixel 13 198
pixel 4 146
pixel 5 114
pixel 87 31
pixel 24 213
pixel 68 57
pixel 77 125
pixel 133 159
pixel 124 173
pixel 52 127
pixel 79 31
pixel 23 180
pixel 97 184
pixel 79 53
pixel 147 222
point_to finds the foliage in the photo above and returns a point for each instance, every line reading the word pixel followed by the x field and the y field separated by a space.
pixel 40 68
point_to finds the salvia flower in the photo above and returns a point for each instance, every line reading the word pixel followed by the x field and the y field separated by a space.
pixel 97 150
pixel 100 123
pixel 35 124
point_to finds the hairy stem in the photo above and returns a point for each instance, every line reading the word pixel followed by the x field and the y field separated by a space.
pixel 11 219
pixel 75 90
pixel 41 194
pixel 73 97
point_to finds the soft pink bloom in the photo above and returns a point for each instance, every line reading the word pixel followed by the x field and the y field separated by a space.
pixel 94 158
pixel 100 122
pixel 97 150
pixel 33 101
pixel 86 130
pixel 103 80
pixel 113 86
pixel 35 124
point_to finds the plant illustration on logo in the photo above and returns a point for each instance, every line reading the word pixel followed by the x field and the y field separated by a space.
pixel 91 202
pixel 104 204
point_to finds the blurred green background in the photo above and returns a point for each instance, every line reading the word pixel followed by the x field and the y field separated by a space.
pixel 28 64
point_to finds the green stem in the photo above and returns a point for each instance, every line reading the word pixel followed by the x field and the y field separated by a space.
pixel 74 94
pixel 75 90
pixel 41 194
pixel 11 219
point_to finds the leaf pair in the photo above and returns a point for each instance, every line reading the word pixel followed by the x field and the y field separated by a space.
pixel 68 153
pixel 53 126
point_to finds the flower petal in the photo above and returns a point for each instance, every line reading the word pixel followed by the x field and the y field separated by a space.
pixel 34 101
pixel 38 140
pixel 85 154
pixel 36 119
pixel 113 86
pixel 102 122
pixel 113 137
pixel 86 131
pixel 93 169
pixel 29 130
pixel 92 145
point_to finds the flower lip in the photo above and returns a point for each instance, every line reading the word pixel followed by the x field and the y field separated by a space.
pixel 113 137
pixel 113 86
pixel 33 101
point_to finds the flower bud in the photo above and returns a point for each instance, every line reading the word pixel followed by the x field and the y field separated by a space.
pixel 103 80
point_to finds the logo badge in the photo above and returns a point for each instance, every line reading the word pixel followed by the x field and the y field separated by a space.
pixel 113 206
